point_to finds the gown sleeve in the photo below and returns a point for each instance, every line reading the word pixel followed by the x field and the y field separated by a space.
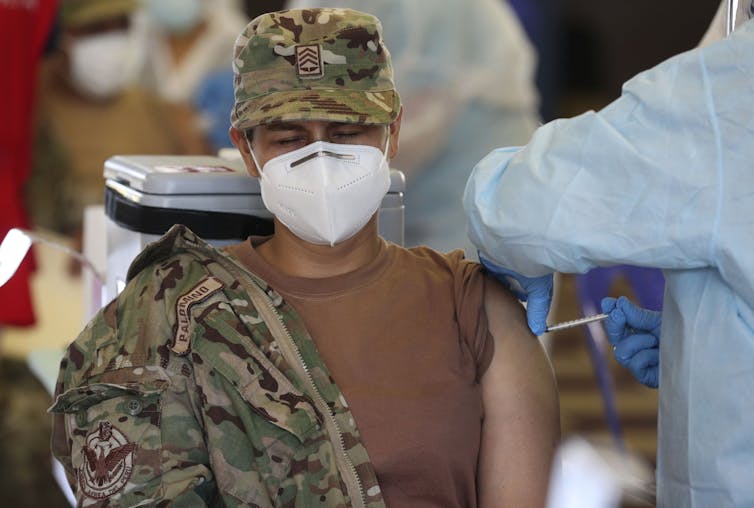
pixel 661 177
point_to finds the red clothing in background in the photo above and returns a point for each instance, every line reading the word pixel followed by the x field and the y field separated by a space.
pixel 24 28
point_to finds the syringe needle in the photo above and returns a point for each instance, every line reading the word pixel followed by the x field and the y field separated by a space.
pixel 575 322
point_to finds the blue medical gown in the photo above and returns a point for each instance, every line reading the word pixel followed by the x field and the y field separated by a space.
pixel 662 177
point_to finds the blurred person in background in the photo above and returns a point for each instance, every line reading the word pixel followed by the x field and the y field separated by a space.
pixel 183 42
pixel 213 97
pixel 466 71
pixel 24 30
pixel 89 109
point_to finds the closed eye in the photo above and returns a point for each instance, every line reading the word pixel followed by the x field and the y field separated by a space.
pixel 288 141
pixel 346 135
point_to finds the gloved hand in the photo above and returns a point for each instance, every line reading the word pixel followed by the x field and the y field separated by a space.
pixel 635 335
pixel 536 291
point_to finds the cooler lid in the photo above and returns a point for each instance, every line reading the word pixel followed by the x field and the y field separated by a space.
pixel 181 174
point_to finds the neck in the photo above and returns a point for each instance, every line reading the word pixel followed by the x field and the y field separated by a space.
pixel 296 257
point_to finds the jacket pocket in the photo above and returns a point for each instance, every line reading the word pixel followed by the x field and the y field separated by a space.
pixel 115 441
pixel 261 429
pixel 260 383
pixel 261 447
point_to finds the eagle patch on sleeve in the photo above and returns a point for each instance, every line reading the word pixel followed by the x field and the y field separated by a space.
pixel 108 462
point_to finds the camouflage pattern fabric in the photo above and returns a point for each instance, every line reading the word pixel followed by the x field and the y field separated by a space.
pixel 178 393
pixel 313 64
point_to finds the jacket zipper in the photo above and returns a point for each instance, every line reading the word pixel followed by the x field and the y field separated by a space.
pixel 274 320
pixel 350 476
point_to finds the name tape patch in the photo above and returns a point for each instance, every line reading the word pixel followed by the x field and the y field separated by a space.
pixel 196 294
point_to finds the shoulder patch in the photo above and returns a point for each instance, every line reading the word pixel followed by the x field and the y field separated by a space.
pixel 196 294
pixel 108 462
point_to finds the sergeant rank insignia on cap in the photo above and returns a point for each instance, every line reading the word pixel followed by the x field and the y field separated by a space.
pixel 309 61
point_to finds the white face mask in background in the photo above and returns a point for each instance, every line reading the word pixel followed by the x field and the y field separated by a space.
pixel 325 192
pixel 100 64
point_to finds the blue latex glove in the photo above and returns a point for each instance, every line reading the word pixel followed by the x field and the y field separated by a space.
pixel 635 335
pixel 536 291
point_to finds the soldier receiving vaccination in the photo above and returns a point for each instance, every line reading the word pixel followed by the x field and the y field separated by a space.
pixel 322 365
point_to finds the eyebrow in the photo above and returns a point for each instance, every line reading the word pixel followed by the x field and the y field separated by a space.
pixel 290 126
pixel 283 126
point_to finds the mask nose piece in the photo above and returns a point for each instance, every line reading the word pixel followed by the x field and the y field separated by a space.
pixel 323 153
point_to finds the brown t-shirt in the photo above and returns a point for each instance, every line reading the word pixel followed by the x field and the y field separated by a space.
pixel 406 340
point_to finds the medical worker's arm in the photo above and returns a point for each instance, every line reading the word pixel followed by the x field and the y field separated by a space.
pixel 521 426
pixel 639 182
pixel 635 335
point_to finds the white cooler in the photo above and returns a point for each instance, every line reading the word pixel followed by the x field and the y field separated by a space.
pixel 214 197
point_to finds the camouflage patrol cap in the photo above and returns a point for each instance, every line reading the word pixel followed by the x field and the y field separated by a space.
pixel 313 64
pixel 78 13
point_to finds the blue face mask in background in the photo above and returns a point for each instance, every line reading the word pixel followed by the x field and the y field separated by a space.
pixel 175 16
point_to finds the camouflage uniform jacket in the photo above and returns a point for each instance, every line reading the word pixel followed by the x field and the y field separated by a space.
pixel 199 386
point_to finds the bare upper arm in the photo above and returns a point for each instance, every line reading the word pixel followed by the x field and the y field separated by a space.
pixel 522 417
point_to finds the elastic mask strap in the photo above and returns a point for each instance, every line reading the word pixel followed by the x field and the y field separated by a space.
pixel 387 147
pixel 253 157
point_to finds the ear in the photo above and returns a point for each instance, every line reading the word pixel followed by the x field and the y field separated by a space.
pixel 394 130
pixel 238 138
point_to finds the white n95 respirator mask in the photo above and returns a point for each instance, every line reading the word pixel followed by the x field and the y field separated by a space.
pixel 99 64
pixel 325 192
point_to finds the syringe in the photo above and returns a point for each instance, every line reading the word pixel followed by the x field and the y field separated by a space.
pixel 575 322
